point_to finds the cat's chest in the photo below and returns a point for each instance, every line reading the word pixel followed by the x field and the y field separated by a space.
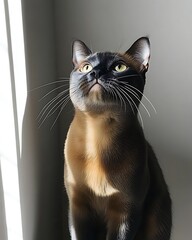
pixel 95 175
pixel 96 179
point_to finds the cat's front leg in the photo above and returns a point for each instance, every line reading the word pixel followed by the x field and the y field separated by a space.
pixel 122 228
pixel 81 223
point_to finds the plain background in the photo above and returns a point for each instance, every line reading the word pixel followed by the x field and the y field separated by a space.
pixel 50 27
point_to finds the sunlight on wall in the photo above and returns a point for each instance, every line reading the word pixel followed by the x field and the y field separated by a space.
pixel 13 93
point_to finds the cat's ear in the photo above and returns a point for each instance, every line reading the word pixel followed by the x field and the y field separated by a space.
pixel 140 51
pixel 80 52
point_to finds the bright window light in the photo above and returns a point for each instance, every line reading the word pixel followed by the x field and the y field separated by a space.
pixel 13 93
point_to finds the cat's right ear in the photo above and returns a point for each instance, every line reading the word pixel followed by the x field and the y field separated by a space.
pixel 80 52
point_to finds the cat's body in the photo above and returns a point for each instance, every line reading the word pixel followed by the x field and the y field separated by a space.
pixel 114 183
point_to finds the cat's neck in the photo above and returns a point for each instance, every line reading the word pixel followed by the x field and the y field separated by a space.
pixel 98 133
pixel 107 120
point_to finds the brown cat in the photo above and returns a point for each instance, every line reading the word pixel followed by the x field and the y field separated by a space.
pixel 114 183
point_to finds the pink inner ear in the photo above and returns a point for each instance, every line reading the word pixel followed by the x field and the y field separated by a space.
pixel 145 54
pixel 146 62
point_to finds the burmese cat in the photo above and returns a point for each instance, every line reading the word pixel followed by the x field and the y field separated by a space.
pixel 114 183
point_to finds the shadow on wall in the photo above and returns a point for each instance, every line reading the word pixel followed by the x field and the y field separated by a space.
pixel 41 179
pixel 177 171
pixel 41 165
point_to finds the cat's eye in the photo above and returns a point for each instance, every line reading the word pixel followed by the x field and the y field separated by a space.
pixel 86 68
pixel 120 67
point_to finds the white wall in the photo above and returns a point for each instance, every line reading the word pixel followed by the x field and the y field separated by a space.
pixel 3 227
pixel 114 25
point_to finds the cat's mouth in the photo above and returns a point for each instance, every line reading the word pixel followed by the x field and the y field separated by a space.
pixel 96 87
pixel 95 92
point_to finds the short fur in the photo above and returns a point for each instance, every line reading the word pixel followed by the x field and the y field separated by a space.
pixel 114 183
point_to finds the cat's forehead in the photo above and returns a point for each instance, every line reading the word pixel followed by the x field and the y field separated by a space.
pixel 104 57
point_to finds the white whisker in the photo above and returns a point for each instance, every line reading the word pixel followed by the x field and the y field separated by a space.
pixel 63 105
pixel 48 84
pixel 52 110
pixel 119 95
pixel 126 97
pixel 128 76
pixel 143 96
pixel 111 90
pixel 50 103
pixel 139 113
pixel 45 108
pixel 133 93
pixel 52 91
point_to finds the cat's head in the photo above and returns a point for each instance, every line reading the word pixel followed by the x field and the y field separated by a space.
pixel 106 80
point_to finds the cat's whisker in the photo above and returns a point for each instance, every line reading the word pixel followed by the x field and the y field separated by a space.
pixel 139 113
pixel 133 93
pixel 63 106
pixel 142 123
pixel 56 106
pixel 125 105
pixel 46 107
pixel 111 84
pixel 113 93
pixel 143 96
pixel 53 91
pixel 117 85
pixel 119 96
pixel 126 86
pixel 83 85
pixel 107 90
pixel 110 90
pixel 48 84
pixel 73 90
pixel 130 104
pixel 126 97
pixel 53 109
pixel 128 76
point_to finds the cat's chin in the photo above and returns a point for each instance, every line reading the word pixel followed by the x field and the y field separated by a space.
pixel 95 94
pixel 95 101
pixel 96 89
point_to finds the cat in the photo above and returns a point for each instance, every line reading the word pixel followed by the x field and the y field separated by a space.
pixel 115 186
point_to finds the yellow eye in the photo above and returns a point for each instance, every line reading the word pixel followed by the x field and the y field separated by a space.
pixel 120 67
pixel 86 68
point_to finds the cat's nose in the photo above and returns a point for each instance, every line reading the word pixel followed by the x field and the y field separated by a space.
pixel 96 73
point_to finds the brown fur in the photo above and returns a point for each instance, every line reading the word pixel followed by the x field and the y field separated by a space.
pixel 114 183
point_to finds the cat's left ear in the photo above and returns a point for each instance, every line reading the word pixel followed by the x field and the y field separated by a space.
pixel 80 52
pixel 140 51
